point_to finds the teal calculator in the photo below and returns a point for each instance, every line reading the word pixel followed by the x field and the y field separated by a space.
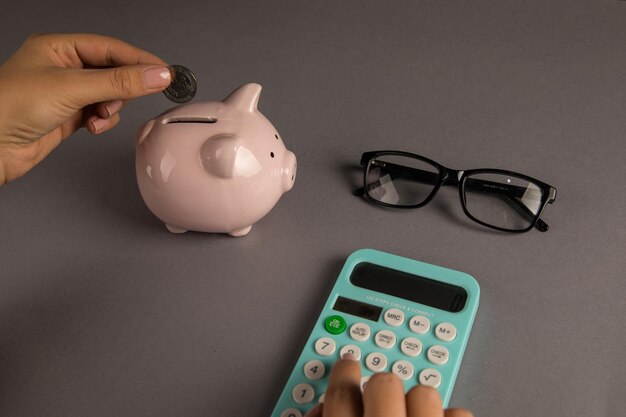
pixel 394 315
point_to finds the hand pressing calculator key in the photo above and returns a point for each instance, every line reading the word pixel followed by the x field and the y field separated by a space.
pixel 394 315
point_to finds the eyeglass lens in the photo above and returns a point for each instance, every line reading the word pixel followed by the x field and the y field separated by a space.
pixel 504 201
pixel 400 180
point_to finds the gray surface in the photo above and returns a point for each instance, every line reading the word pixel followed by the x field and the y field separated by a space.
pixel 104 313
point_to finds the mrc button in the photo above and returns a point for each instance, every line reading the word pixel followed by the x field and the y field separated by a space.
pixel 394 317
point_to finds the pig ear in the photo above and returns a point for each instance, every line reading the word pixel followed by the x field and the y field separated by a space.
pixel 143 132
pixel 245 97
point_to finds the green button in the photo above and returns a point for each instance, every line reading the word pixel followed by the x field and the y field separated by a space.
pixel 335 324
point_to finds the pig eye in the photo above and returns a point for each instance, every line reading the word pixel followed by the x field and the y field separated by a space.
pixel 276 136
pixel 272 154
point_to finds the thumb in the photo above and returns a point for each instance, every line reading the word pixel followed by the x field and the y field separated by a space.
pixel 120 83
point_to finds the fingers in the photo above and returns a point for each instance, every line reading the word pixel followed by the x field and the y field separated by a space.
pixel 423 401
pixel 97 125
pixel 120 83
pixel 458 412
pixel 103 116
pixel 108 109
pixel 136 72
pixel 316 411
pixel 105 51
pixel 97 68
pixel 383 396
pixel 343 396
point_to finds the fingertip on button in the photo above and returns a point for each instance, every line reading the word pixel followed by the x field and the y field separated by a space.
pixel 315 411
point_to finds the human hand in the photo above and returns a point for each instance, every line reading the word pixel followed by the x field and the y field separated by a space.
pixel 55 84
pixel 383 396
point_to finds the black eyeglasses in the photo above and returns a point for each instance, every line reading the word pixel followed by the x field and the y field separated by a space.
pixel 502 200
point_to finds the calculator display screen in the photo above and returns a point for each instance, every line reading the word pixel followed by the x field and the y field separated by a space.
pixel 357 308
pixel 411 287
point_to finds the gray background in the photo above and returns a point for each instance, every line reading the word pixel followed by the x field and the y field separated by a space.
pixel 105 313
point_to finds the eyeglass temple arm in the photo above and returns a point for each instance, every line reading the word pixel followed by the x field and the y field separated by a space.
pixel 359 192
pixel 478 185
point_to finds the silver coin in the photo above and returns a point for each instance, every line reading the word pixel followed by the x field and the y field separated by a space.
pixel 183 86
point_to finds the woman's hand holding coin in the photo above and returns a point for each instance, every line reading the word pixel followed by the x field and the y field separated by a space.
pixel 55 84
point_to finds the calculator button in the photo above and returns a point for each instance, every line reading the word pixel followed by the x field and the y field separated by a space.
pixel 291 412
pixel 430 377
pixel 351 349
pixel 403 369
pixel 438 354
pixel 364 380
pixel 411 347
pixel 394 317
pixel 325 346
pixel 376 362
pixel 314 369
pixel 385 339
pixel 360 332
pixel 335 324
pixel 303 393
pixel 445 332
pixel 419 324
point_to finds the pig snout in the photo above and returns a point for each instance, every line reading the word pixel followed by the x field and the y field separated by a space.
pixel 288 171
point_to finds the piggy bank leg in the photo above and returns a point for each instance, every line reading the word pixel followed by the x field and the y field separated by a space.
pixel 240 232
pixel 175 229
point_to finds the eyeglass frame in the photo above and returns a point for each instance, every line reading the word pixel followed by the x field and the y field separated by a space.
pixel 449 176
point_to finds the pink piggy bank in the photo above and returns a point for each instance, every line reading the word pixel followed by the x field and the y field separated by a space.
pixel 217 166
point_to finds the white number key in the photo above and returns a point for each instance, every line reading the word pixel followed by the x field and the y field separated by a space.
pixel 325 346
pixel 291 412
pixel 303 393
pixel 314 370
pixel 364 380
pixel 351 349
pixel 376 362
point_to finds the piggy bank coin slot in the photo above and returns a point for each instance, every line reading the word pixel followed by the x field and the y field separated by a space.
pixel 189 119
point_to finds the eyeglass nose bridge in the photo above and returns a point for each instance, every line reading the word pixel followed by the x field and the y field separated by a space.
pixel 451 176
